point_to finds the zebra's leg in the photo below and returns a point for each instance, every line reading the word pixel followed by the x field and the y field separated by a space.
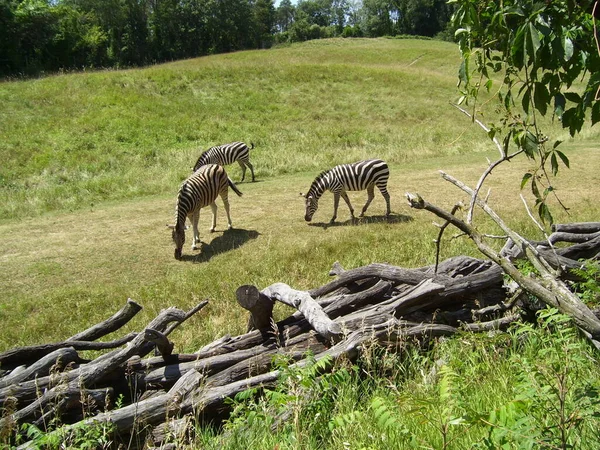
pixel 370 196
pixel 347 200
pixel 386 196
pixel 225 199
pixel 213 208
pixel 243 166
pixel 196 234
pixel 336 202
pixel 251 169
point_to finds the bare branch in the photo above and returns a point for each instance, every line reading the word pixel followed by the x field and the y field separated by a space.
pixel 492 165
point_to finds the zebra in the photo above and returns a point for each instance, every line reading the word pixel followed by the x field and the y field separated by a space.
pixel 358 176
pixel 197 191
pixel 227 154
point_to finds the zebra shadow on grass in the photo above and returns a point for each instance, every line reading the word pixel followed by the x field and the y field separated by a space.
pixel 392 218
pixel 229 240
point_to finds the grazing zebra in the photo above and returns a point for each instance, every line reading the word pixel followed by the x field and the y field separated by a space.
pixel 349 177
pixel 199 190
pixel 227 154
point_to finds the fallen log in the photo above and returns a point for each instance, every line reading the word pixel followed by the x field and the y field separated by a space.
pixel 80 341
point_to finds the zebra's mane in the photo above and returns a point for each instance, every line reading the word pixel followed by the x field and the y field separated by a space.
pixel 178 215
pixel 316 182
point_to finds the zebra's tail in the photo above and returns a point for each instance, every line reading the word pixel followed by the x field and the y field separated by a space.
pixel 251 146
pixel 234 187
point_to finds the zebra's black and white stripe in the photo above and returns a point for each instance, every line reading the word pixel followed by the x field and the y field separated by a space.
pixel 227 154
pixel 199 190
pixel 349 177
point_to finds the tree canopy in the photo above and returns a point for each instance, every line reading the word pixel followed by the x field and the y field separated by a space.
pixel 50 35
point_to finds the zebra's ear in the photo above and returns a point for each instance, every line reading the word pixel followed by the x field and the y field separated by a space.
pixel 301 194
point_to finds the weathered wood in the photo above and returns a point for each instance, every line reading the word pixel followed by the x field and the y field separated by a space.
pixel 259 305
pixel 85 375
pixel 381 271
pixel 310 309
pixel 162 343
pixel 178 430
pixel 581 227
pixel 56 361
pixel 111 324
pixel 25 355
pixel 166 376
pixel 561 236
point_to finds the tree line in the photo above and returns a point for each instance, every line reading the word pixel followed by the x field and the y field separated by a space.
pixel 39 36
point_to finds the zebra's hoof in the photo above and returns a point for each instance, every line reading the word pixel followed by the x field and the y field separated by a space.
pixel 212 230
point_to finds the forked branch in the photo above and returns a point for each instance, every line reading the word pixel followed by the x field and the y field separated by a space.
pixel 547 287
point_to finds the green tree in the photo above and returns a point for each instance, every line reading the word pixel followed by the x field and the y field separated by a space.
pixel 284 15
pixel 264 23
pixel 532 56
pixel 423 17
pixel 316 12
pixel 380 17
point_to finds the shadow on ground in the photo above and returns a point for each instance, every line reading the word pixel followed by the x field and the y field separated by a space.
pixel 229 240
pixel 392 218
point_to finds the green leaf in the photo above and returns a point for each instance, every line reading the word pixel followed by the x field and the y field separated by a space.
pixel 544 214
pixel 596 112
pixel 517 49
pixel 567 48
pixel 554 164
pixel 541 98
pixel 530 144
pixel 559 104
pixel 525 101
pixel 573 97
pixel 462 73
pixel 488 85
pixel 525 179
pixel 534 189
pixel 532 41
pixel 562 156
pixel 572 119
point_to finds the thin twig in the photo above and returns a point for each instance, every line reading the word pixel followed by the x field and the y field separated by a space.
pixel 541 228
pixel 491 167
pixel 438 241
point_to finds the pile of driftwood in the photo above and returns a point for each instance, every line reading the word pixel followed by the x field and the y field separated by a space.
pixel 159 397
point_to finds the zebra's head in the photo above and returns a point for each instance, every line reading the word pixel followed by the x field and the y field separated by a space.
pixel 311 205
pixel 178 235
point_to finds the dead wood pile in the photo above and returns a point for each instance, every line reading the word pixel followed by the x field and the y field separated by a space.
pixel 160 394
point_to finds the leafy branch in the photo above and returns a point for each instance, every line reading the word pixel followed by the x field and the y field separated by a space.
pixel 546 56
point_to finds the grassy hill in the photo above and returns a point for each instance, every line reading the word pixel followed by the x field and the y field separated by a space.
pixel 91 164
pixel 71 140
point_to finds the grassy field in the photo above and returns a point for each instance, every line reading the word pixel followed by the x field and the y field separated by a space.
pixel 92 163
pixel 68 142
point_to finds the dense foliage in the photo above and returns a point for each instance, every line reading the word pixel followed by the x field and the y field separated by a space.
pixel 538 59
pixel 51 35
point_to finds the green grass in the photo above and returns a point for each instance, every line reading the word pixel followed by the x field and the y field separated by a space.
pixel 91 164
pixel 74 140
pixel 473 391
